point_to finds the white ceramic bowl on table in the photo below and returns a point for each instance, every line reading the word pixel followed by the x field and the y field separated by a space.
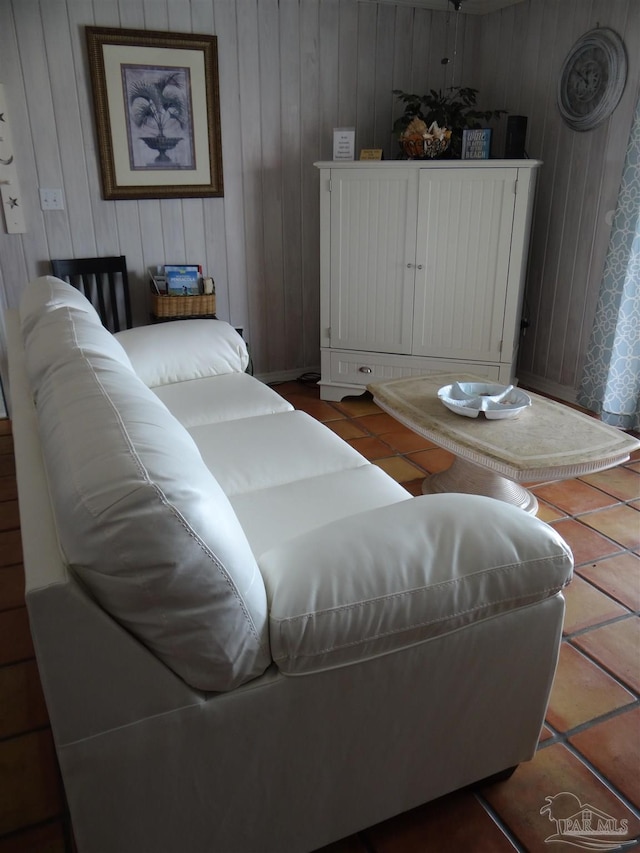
pixel 495 401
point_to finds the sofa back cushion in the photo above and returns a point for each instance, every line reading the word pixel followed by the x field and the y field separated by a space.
pixel 142 522
pixel 166 353
pixel 59 323
pixel 48 293
pixel 65 334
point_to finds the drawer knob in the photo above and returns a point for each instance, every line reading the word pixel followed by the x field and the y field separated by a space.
pixel 365 369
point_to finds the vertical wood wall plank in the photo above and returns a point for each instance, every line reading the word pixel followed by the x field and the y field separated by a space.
pixel 42 120
pixel 68 129
pixel 311 146
pixel 103 213
pixel 366 78
pixel 328 44
pixel 402 57
pixel 420 49
pixel 213 251
pixel 250 140
pixel 276 150
pixel 291 176
pixel 383 76
pixel 231 299
pixel 347 64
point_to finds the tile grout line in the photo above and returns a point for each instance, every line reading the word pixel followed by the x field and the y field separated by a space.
pixel 635 811
pixel 499 822
pixel 559 736
pixel 599 665
pixel 604 623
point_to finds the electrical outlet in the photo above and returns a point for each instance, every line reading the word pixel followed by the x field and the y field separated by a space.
pixel 51 199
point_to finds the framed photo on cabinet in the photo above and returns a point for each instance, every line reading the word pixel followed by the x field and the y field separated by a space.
pixel 157 111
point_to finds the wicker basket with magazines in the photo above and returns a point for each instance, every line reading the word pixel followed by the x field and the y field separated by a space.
pixel 166 307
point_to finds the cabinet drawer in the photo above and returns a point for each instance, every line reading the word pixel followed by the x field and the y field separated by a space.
pixel 360 368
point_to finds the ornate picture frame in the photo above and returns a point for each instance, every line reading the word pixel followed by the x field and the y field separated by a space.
pixel 157 112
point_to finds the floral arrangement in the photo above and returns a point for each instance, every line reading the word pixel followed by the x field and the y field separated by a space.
pixel 420 141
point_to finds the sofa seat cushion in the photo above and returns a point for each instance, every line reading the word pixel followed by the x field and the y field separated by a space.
pixel 143 523
pixel 273 515
pixel 228 397
pixel 390 578
pixel 184 349
pixel 269 450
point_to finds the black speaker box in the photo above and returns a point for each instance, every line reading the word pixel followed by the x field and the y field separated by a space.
pixel 516 136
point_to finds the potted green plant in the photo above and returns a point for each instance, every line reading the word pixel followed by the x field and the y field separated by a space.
pixel 453 109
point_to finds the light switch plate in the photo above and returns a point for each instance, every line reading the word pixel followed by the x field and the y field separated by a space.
pixel 51 199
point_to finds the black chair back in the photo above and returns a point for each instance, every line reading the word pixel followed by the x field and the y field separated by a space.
pixel 105 283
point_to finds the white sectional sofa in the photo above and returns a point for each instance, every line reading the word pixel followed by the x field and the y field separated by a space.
pixel 250 638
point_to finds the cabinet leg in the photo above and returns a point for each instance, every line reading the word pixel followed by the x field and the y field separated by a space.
pixel 335 393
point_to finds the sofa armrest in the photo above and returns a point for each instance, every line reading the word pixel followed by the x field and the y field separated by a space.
pixel 393 577
pixel 165 353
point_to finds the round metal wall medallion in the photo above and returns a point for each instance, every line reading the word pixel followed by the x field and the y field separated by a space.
pixel 592 79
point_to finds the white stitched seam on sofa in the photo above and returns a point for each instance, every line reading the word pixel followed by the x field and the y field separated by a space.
pixel 409 592
pixel 523 600
pixel 162 497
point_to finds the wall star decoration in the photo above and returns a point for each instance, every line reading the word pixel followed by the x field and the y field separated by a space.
pixel 9 187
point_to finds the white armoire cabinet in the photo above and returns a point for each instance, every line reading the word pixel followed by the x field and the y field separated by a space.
pixel 422 267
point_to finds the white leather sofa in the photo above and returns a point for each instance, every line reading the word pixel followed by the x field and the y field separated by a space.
pixel 250 638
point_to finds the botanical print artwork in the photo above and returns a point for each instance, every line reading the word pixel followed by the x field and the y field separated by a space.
pixel 159 117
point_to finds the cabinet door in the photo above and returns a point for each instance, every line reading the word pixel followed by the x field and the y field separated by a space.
pixel 465 220
pixel 373 227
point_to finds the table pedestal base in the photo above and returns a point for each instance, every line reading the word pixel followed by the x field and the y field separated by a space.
pixel 465 477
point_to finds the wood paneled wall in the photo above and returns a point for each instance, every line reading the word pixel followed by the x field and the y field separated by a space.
pixel 519 53
pixel 291 71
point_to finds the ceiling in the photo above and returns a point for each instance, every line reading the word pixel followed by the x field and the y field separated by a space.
pixel 472 7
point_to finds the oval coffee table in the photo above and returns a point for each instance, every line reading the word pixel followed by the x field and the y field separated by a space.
pixel 547 441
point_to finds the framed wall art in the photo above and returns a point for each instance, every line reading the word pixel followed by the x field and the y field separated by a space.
pixel 157 112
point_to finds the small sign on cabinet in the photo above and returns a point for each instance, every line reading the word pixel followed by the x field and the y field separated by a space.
pixel 476 144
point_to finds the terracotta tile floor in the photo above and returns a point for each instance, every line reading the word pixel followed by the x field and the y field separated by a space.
pixel 589 750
